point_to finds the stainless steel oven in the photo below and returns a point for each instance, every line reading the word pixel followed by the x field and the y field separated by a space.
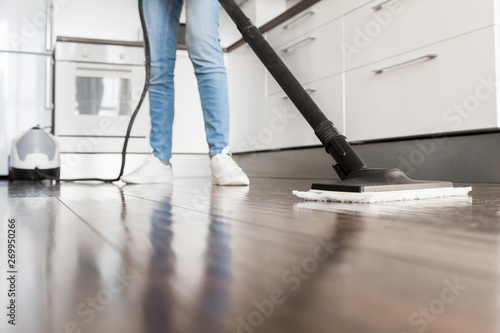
pixel 97 87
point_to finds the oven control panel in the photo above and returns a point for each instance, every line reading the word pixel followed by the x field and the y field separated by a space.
pixel 100 53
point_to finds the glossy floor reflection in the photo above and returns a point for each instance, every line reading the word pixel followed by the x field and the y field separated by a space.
pixel 189 257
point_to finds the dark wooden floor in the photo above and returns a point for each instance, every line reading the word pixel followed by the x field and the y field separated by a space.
pixel 189 257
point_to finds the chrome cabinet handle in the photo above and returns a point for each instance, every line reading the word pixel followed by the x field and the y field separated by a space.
pixel 291 47
pixel 381 5
pixel 299 18
pixel 48 83
pixel 428 56
pixel 309 90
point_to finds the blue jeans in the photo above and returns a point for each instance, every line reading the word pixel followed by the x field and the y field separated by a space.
pixel 205 52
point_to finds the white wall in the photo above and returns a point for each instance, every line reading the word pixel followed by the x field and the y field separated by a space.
pixel 109 19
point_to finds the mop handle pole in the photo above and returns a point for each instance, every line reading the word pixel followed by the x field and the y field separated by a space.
pixel 335 143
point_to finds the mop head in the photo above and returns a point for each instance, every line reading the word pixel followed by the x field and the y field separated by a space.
pixel 373 197
pixel 380 185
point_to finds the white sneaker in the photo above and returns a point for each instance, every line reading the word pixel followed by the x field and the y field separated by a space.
pixel 225 171
pixel 151 171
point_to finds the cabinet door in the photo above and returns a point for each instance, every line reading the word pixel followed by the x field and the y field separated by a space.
pixel 189 128
pixel 107 166
pixel 453 92
pixel 247 89
pixel 312 56
pixel 405 25
pixel 23 93
pixel 286 127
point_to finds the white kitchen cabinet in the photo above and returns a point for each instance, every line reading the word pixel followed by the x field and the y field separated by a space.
pixel 453 92
pixel 328 94
pixel 286 127
pixel 445 94
pixel 189 127
pixel 401 26
pixel 246 78
pixel 309 45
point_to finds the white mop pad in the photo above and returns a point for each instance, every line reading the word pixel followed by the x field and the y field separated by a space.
pixel 372 197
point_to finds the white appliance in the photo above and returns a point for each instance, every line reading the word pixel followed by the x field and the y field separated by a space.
pixel 98 84
pixel 25 70
pixel 34 149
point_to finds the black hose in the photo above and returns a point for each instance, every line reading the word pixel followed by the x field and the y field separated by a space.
pixel 132 118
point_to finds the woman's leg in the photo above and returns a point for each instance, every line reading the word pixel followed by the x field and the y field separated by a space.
pixel 162 23
pixel 205 52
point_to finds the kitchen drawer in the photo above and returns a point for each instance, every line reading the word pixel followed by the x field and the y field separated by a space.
pixel 446 94
pixel 312 56
pixel 312 18
pixel 286 127
pixel 247 93
pixel 106 166
pixel 188 133
pixel 405 25
pixel 96 53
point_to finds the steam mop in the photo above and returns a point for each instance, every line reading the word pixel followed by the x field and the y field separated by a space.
pixel 358 183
